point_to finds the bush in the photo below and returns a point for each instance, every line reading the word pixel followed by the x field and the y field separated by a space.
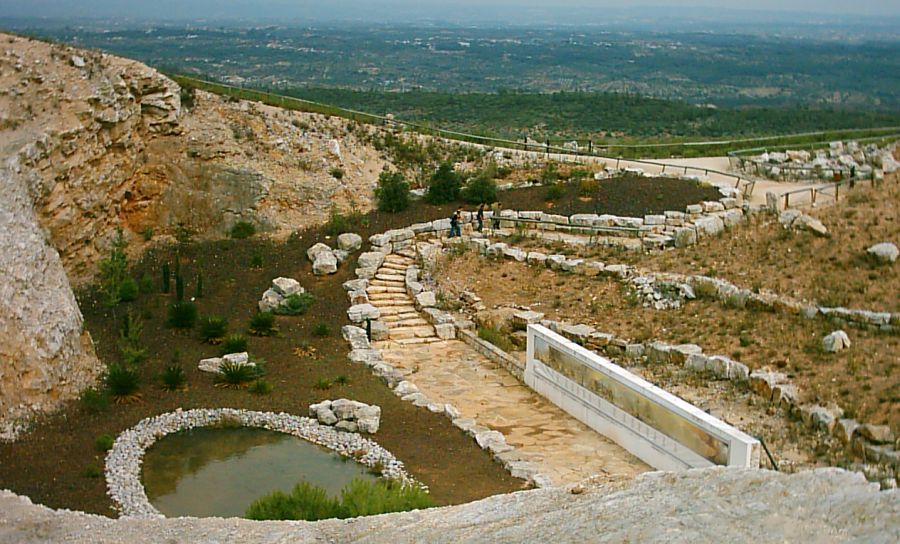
pixel 237 376
pixel 305 502
pixel 322 330
pixel 358 498
pixel 263 324
pixel 256 260
pixel 444 185
pixel 212 329
pixel 122 382
pixel 234 343
pixel 323 384
pixel 365 498
pixel 296 304
pixel 342 380
pixel 242 230
pixel 182 315
pixel 550 174
pixel 146 284
pixel 588 187
pixel 128 290
pixel 260 387
pixel 494 336
pixel 173 377
pixel 392 192
pixel 93 401
pixel 480 190
pixel 92 471
pixel 179 287
pixel 337 173
pixel 104 442
pixel 555 192
pixel 113 270
pixel 147 233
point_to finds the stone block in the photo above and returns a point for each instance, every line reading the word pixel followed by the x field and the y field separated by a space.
pixel 325 264
pixel 445 331
pixel 360 312
pixel 349 241
pixel 287 286
pixel 763 382
pixel 679 354
pixel 316 250
pixel 425 299
pixel 536 258
pixel 371 259
pixel 685 236
pixel 709 226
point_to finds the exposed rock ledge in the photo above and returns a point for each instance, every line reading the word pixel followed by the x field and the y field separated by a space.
pixel 711 505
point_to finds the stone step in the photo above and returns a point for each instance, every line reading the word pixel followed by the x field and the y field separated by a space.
pixel 415 322
pixel 381 289
pixel 390 277
pixel 409 315
pixel 400 333
pixel 395 310
pixel 413 341
pixel 386 283
pixel 408 253
pixel 395 258
pixel 394 266
pixel 403 297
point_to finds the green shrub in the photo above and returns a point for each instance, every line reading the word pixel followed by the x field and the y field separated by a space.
pixel 179 287
pixel 242 230
pixel 444 185
pixel 482 189
pixel 342 380
pixel 133 356
pixel 182 315
pixel 263 324
pixel 358 498
pixel 494 336
pixel 93 400
pixel 212 329
pixel 305 502
pixel 555 192
pixel 550 175
pixel 338 223
pixel 104 442
pixel 166 277
pixel 147 233
pixel 706 290
pixel 256 260
pixel 337 173
pixel 323 384
pixel 588 187
pixel 260 387
pixel 131 331
pixel 128 290
pixel 234 343
pixel 392 192
pixel 322 330
pixel 366 498
pixel 92 471
pixel 296 304
pixel 113 271
pixel 122 382
pixel 237 376
pixel 173 377
pixel 146 284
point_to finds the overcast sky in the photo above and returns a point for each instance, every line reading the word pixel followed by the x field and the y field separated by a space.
pixel 520 11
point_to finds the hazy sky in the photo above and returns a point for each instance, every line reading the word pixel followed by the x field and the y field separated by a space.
pixel 530 11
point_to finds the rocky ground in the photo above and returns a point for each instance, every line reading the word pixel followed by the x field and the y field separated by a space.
pixel 712 505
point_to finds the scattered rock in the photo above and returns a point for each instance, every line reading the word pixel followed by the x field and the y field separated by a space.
pixel 836 341
pixel 325 263
pixel 884 253
pixel 879 434
pixel 347 415
pixel 349 241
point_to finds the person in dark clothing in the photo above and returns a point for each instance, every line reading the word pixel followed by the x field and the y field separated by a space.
pixel 454 223
pixel 480 217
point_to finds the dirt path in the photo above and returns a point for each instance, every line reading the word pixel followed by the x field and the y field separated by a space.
pixel 452 372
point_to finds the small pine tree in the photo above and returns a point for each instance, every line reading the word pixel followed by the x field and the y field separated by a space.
pixel 392 192
pixel 166 276
pixel 444 185
pixel 179 288
pixel 199 285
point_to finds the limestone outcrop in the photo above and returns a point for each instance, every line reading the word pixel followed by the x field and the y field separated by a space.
pixel 710 505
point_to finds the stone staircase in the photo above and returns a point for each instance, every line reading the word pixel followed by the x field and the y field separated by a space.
pixel 387 292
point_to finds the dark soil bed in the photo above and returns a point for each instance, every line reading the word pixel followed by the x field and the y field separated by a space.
pixel 57 463
pixel 632 196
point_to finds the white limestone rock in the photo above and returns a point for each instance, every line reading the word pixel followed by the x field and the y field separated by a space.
pixel 425 299
pixel 287 287
pixel 271 300
pixel 836 341
pixel 316 250
pixel 360 312
pixel 371 259
pixel 884 253
pixel 325 264
pixel 349 241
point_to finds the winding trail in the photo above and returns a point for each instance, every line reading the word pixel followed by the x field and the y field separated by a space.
pixel 451 372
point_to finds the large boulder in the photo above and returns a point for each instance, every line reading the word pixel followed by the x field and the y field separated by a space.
pixel 287 286
pixel 316 250
pixel 836 341
pixel 361 312
pixel 884 253
pixel 349 241
pixel 371 259
pixel 325 263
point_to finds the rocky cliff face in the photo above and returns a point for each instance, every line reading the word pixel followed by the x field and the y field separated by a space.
pixel 91 143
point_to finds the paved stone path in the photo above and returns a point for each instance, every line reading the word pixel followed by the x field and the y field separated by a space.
pixel 449 371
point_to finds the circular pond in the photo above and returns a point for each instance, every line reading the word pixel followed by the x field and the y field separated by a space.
pixel 218 472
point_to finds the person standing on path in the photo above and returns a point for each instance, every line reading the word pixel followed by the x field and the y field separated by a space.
pixel 454 223
pixel 495 215
pixel 480 217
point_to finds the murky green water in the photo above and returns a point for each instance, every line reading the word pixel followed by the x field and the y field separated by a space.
pixel 219 472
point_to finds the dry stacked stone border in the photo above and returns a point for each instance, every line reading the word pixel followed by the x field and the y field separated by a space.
pixel 123 463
